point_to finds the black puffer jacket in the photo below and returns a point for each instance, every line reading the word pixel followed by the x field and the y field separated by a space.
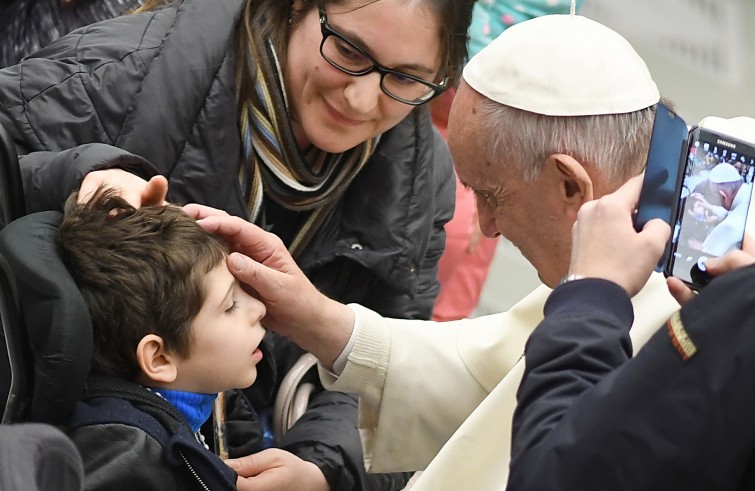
pixel 27 25
pixel 130 438
pixel 154 93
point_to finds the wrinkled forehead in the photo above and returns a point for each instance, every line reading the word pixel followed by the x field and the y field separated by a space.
pixel 464 125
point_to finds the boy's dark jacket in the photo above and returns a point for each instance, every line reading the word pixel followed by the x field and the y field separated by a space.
pixel 130 438
pixel 155 92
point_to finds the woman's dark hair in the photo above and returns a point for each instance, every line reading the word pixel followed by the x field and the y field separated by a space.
pixel 141 271
pixel 272 19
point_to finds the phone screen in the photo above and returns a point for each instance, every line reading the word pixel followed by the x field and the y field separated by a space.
pixel 713 204
pixel 659 196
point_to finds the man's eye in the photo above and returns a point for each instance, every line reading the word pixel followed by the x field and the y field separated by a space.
pixel 487 197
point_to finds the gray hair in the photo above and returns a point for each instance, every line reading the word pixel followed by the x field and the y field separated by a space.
pixel 614 144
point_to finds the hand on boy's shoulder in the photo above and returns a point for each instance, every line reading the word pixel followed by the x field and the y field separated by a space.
pixel 275 469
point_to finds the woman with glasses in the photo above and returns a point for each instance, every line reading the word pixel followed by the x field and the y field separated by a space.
pixel 304 117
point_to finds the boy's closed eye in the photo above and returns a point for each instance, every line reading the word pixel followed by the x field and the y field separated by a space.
pixel 234 305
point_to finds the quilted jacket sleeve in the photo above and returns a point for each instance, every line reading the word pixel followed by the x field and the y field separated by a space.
pixel 420 305
pixel 63 118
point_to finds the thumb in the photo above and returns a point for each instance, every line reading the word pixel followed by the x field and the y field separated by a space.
pixel 155 192
pixel 240 265
pixel 255 464
pixel 244 466
pixel 250 273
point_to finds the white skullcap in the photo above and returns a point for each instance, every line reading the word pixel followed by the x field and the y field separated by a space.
pixel 724 173
pixel 562 65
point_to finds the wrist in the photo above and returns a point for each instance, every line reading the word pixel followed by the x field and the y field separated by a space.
pixel 571 277
pixel 328 333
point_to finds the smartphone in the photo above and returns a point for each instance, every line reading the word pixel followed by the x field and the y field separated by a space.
pixel 715 195
pixel 661 185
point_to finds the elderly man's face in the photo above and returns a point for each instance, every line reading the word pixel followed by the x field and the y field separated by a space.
pixel 725 192
pixel 526 213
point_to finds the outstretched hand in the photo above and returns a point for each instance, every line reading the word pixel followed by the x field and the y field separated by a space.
pixel 277 470
pixel 606 245
pixel 716 266
pixel 295 308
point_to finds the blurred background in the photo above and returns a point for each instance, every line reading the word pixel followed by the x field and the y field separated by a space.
pixel 701 54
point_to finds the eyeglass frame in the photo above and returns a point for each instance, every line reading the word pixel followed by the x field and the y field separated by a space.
pixel 327 31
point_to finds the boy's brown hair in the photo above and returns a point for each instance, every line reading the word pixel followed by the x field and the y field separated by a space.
pixel 141 271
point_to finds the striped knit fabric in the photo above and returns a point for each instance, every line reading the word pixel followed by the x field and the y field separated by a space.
pixel 273 166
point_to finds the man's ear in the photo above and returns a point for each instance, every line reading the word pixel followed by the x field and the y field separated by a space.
pixel 722 194
pixel 157 365
pixel 575 187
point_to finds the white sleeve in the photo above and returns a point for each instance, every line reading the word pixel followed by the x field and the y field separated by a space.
pixel 419 380
pixel 340 362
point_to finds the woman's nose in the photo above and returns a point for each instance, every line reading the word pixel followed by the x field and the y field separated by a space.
pixel 362 93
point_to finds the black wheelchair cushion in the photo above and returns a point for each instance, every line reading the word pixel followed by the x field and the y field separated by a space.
pixel 56 320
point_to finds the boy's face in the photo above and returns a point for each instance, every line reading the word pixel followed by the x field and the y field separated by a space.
pixel 226 335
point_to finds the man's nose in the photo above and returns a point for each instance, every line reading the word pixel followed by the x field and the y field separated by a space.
pixel 486 218
pixel 362 93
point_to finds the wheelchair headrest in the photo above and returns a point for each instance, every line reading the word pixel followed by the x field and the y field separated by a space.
pixel 57 321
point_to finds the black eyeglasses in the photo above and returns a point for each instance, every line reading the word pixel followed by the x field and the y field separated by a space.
pixel 350 58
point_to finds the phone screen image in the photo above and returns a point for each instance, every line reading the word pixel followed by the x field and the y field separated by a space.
pixel 659 196
pixel 714 200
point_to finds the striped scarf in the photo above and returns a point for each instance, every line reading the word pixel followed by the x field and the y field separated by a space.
pixel 272 164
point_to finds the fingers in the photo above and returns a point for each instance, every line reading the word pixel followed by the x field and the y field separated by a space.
pixel 128 186
pixel 248 466
pixel 89 186
pixel 629 192
pixel 656 232
pixel 245 237
pixel 606 245
pixel 251 273
pixel 681 292
pixel 198 212
pixel 277 470
pixel 155 193
pixel 732 260
pixel 247 469
pixel 748 244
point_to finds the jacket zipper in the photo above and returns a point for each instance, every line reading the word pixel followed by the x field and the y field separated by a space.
pixel 193 472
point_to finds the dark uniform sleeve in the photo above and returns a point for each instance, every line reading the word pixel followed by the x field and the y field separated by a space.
pixel 675 417
pixel 584 335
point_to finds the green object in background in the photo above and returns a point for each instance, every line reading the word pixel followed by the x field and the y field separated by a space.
pixel 491 17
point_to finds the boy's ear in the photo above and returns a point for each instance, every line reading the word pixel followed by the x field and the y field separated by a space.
pixel 575 187
pixel 157 365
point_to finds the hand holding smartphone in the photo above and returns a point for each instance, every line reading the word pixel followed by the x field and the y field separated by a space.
pixel 702 187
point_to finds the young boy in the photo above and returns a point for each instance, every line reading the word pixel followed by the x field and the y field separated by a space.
pixel 171 328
